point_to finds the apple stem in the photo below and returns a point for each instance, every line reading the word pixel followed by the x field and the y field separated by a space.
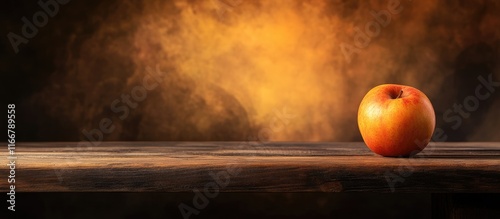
pixel 400 93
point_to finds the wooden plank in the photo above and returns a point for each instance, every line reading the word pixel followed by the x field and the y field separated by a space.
pixel 253 167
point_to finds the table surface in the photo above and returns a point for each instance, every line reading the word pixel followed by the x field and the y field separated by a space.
pixel 252 167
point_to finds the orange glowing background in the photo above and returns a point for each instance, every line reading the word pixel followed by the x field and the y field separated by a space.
pixel 241 69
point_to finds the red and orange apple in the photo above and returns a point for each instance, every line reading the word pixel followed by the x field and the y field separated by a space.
pixel 396 120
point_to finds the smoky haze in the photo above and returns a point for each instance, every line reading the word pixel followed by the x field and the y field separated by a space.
pixel 229 69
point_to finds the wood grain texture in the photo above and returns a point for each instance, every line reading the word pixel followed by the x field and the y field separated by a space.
pixel 252 167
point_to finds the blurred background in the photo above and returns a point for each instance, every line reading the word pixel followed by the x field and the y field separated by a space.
pixel 238 69
pixel 209 70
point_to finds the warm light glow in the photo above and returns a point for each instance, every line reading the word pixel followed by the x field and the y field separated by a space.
pixel 254 58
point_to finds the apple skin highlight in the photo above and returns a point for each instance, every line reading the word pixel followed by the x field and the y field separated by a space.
pixel 396 120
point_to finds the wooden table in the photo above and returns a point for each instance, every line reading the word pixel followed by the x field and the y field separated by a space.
pixel 252 167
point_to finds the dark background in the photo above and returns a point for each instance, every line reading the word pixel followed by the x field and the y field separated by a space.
pixel 91 52
pixel 225 76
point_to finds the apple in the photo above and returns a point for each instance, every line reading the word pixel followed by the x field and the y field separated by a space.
pixel 396 120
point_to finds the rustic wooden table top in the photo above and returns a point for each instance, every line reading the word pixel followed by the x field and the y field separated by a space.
pixel 252 167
